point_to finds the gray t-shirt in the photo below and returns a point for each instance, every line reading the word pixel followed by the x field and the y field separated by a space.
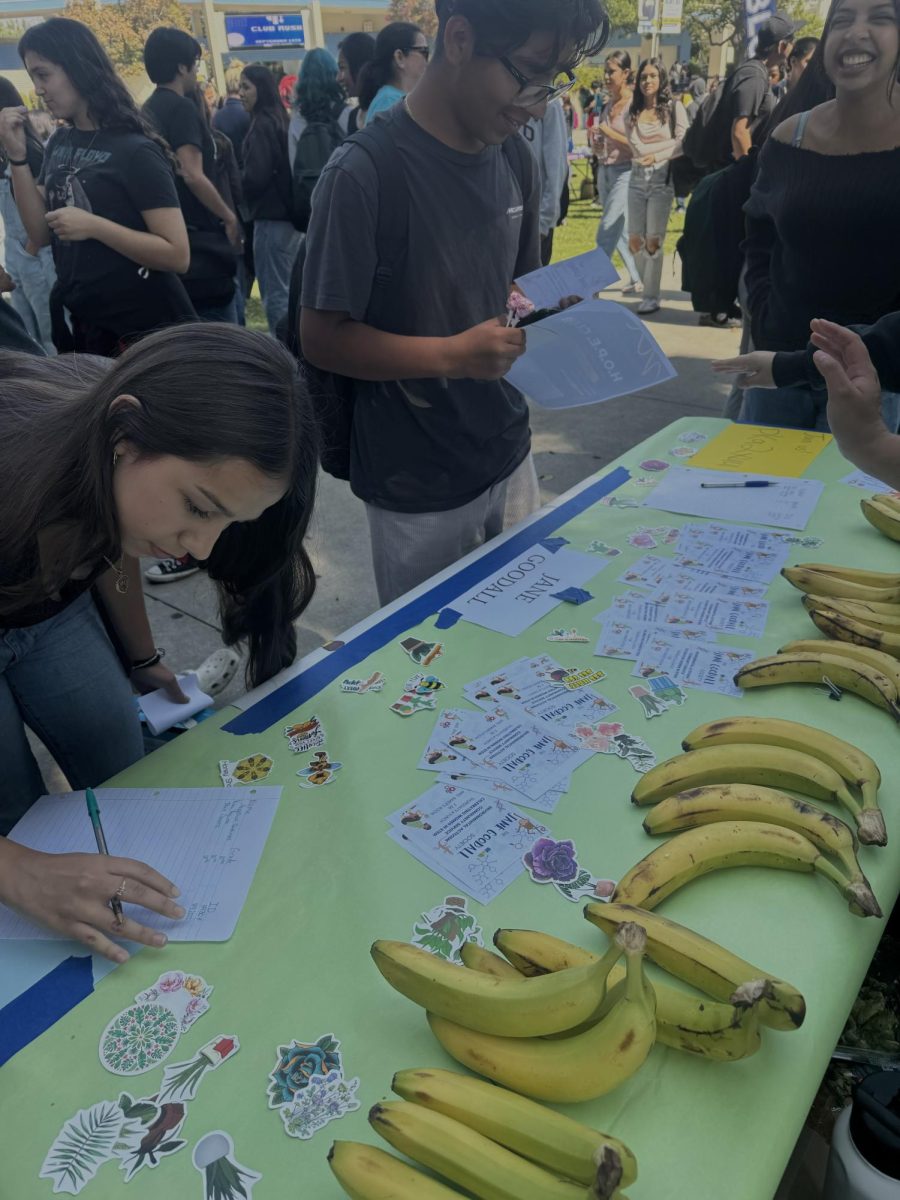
pixel 426 445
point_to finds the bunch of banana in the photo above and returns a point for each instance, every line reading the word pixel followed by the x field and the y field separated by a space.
pixel 489 1004
pixel 821 580
pixel 702 963
pixel 886 663
pixel 857 633
pixel 482 1167
pixel 857 769
pixel 871 612
pixel 884 513
pixel 767 764
pixel 696 1024
pixel 582 1065
pixel 707 848
pixel 858 677
pixel 553 1141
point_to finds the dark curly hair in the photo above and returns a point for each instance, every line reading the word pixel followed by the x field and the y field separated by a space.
pixel 663 96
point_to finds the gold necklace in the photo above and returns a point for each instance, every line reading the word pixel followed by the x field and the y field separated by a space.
pixel 121 576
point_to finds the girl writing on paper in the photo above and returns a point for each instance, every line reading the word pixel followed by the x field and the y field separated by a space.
pixel 199 439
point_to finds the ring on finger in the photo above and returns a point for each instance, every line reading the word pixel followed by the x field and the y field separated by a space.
pixel 120 890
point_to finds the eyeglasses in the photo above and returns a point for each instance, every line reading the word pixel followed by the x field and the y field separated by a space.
pixel 423 50
pixel 531 93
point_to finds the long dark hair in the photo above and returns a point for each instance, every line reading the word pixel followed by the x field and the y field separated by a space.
pixel 663 96
pixel 268 106
pixel 207 392
pixel 622 59
pixel 74 47
pixel 826 30
pixel 10 98
pixel 399 35
pixel 357 49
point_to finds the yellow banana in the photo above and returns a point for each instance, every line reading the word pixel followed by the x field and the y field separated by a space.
pixel 579 1067
pixel 847 629
pixel 466 1158
pixel 852 764
pixel 476 958
pixel 744 802
pixel 553 1141
pixel 886 663
pixel 695 1024
pixel 771 766
pixel 724 844
pixel 702 963
pixel 368 1173
pixel 492 1005
pixel 885 518
pixel 822 583
pixel 881 616
pixel 857 677
pixel 878 579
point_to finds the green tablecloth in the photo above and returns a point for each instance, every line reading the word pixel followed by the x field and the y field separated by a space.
pixel 330 881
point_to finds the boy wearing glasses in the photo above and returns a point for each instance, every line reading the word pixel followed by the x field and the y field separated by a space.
pixel 441 450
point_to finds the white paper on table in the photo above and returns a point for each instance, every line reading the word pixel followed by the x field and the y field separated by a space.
pixel 758 566
pixel 162 712
pixel 709 668
pixel 737 537
pixel 208 841
pixel 859 479
pixel 627 639
pixel 520 593
pixel 582 275
pixel 744 618
pixel 649 571
pixel 594 351
pixel 699 582
pixel 787 505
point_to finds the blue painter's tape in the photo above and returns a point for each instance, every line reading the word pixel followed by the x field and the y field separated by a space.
pixel 297 691
pixel 573 595
pixel 553 543
pixel 36 1009
pixel 447 618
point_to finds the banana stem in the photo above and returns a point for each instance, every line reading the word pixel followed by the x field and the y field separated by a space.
pixel 857 893
pixel 870 823
pixel 609 1173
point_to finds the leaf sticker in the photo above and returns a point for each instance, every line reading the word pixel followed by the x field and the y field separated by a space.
pixel 82 1146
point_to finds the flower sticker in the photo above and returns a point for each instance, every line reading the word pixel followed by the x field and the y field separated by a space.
pixel 549 861
pixel 298 1063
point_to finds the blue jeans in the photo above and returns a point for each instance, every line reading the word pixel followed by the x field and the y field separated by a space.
pixel 612 232
pixel 801 407
pixel 33 274
pixel 63 680
pixel 275 246
pixel 650 197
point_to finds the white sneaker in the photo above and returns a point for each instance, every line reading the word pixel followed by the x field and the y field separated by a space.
pixel 633 289
pixel 168 570
pixel 647 306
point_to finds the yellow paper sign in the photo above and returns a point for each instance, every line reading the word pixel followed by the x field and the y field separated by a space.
pixel 763 448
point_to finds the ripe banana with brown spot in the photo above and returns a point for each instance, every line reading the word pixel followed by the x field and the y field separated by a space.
pixel 744 802
pixel 369 1173
pixel 697 852
pixel 879 616
pixel 768 765
pixel 823 583
pixel 553 1141
pixel 579 1067
pixel 877 579
pixel 694 1024
pixel 864 681
pixel 859 633
pixel 886 663
pixel 884 517
pixel 700 962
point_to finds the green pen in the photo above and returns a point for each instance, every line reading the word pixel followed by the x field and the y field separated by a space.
pixel 94 813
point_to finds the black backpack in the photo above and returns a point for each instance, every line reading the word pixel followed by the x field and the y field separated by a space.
pixel 701 142
pixel 333 395
pixel 317 143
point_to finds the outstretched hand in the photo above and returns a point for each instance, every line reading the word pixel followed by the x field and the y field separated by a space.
pixel 854 391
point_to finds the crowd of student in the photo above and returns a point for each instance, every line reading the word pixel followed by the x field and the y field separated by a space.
pixel 384 236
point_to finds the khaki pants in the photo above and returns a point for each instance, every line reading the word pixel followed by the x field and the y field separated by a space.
pixel 408 548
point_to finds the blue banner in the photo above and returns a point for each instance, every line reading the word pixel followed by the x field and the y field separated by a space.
pixel 755 12
pixel 263 30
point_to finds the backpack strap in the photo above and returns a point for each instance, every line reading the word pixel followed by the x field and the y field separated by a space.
pixel 392 231
pixel 797 139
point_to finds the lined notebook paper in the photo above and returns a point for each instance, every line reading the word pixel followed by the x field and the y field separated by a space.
pixel 208 841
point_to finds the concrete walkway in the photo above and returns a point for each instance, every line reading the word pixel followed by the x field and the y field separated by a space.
pixel 568 446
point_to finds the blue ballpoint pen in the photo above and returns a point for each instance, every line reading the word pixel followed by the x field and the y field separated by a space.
pixel 94 813
pixel 746 483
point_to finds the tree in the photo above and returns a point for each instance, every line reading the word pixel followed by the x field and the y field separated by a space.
pixel 719 22
pixel 123 27
pixel 419 12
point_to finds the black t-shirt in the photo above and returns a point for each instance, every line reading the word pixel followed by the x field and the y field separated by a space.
pixel 423 445
pixel 177 121
pixel 117 174
pixel 747 95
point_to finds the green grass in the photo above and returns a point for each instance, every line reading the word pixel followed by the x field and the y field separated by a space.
pixel 579 233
